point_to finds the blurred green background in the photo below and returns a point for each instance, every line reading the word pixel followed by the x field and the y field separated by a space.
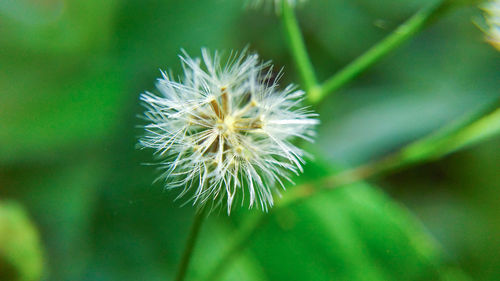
pixel 70 76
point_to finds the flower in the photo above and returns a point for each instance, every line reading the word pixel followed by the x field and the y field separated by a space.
pixel 493 21
pixel 224 131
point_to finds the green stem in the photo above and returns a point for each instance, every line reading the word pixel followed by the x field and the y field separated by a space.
pixel 405 31
pixel 298 50
pixel 191 241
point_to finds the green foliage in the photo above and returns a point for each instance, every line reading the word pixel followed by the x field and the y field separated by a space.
pixel 352 233
pixel 355 233
pixel 20 249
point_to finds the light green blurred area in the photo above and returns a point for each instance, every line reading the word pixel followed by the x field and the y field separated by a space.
pixel 70 76
pixel 20 250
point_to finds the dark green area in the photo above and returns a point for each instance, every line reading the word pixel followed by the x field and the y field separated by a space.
pixel 70 76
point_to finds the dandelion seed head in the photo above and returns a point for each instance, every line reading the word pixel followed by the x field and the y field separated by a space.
pixel 222 133
pixel 492 16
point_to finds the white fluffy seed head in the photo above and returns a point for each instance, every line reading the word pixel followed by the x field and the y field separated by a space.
pixel 223 132
pixel 492 16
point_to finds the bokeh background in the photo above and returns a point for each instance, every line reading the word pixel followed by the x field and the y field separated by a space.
pixel 71 72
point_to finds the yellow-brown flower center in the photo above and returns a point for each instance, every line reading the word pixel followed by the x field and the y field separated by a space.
pixel 227 125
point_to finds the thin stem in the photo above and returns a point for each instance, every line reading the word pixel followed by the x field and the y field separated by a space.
pixel 298 50
pixel 404 32
pixel 191 241
pixel 467 131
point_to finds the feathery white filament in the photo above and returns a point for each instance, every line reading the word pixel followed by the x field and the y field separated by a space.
pixel 223 131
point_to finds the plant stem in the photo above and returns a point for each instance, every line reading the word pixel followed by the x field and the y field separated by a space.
pixel 191 241
pixel 298 50
pixel 405 31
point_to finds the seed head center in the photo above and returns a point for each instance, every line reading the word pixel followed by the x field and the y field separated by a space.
pixel 226 125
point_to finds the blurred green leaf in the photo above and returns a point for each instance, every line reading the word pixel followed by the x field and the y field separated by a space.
pixel 352 233
pixel 20 249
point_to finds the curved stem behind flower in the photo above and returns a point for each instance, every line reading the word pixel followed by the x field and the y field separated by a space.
pixel 404 32
pixel 298 50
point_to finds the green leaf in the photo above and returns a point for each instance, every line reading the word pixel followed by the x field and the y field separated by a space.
pixel 355 233
pixel 351 233
pixel 20 249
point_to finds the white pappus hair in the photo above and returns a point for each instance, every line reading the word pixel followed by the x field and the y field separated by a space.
pixel 224 131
